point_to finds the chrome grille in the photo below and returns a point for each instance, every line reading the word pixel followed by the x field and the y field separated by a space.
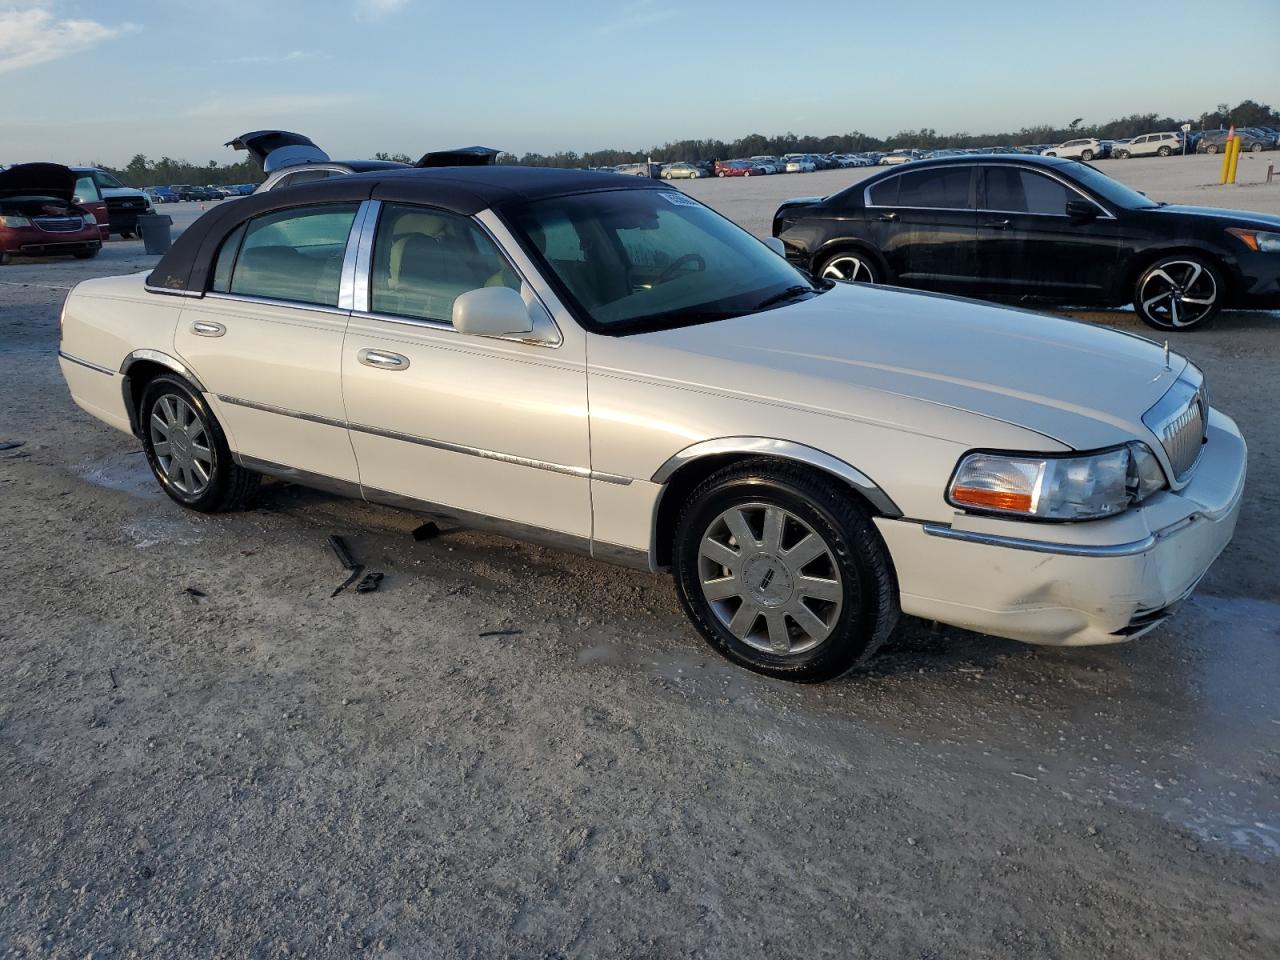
pixel 59 224
pixel 1178 420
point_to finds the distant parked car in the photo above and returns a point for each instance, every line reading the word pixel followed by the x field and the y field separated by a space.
pixel 735 168
pixel 1084 149
pixel 681 171
pixel 898 156
pixel 161 195
pixel 800 165
pixel 1148 145
pixel 1215 141
pixel 39 216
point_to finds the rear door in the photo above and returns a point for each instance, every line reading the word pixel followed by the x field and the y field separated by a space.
pixel 1028 246
pixel 924 223
pixel 266 340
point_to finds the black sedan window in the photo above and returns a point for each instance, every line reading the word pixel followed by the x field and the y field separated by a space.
pixel 1013 190
pixel 944 188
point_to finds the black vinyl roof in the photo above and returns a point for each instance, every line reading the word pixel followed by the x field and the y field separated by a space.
pixel 461 190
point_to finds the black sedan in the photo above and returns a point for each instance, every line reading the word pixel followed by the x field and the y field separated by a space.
pixel 1019 227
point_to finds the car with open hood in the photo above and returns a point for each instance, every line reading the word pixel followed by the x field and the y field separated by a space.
pixel 291 159
pixel 39 216
pixel 603 364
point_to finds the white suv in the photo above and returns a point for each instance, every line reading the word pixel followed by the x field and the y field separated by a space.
pixel 1149 145
pixel 1085 149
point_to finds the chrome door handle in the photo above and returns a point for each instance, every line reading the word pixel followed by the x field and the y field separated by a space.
pixel 383 360
pixel 207 328
pixel 996 224
pixel 888 217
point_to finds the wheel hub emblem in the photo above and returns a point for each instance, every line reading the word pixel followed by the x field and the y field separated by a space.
pixel 767 580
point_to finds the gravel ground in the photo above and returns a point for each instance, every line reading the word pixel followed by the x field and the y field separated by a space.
pixel 509 751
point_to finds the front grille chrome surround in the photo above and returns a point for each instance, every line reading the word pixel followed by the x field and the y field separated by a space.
pixel 58 224
pixel 1179 420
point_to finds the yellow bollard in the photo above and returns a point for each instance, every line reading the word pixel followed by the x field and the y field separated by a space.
pixel 1235 159
pixel 1226 158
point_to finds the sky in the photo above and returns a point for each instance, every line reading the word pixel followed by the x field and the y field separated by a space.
pixel 102 80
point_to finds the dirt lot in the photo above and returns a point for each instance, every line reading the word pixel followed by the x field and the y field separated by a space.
pixel 257 769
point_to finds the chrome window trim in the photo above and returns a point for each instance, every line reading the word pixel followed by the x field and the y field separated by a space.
pixel 347 283
pixel 85 363
pixel 1107 214
pixel 171 293
pixel 272 302
pixel 585 473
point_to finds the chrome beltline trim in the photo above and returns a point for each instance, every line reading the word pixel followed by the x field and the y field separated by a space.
pixel 1043 546
pixel 584 472
pixel 171 293
pixel 85 363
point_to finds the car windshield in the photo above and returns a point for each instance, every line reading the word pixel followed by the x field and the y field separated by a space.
pixel 104 179
pixel 1111 190
pixel 636 260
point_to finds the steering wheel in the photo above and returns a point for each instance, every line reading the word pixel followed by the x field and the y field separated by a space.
pixel 679 262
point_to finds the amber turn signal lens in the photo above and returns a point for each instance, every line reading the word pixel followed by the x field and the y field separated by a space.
pixel 991 499
pixel 1248 237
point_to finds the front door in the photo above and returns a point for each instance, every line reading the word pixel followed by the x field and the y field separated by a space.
pixel 1029 247
pixel 924 224
pixel 486 426
pixel 266 340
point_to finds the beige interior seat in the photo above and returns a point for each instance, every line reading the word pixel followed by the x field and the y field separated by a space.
pixel 407 226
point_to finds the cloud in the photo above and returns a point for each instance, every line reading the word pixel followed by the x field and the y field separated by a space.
pixel 377 9
pixel 33 35
pixel 290 57
pixel 636 15
pixel 266 105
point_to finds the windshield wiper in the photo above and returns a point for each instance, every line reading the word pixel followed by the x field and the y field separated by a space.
pixel 788 294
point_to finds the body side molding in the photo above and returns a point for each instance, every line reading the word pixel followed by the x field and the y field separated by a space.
pixel 787 450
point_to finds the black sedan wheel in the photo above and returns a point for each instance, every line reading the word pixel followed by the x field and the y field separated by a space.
pixel 1179 292
pixel 849 266
pixel 783 572
pixel 187 450
pixel 1256 148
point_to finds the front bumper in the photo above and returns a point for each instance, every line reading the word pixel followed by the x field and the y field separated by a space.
pixel 30 242
pixel 1101 581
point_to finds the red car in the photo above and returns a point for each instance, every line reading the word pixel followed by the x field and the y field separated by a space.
pixel 39 216
pixel 735 168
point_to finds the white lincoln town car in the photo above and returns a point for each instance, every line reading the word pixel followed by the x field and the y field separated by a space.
pixel 604 364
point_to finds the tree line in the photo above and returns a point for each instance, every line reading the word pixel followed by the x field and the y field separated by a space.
pixel 141 171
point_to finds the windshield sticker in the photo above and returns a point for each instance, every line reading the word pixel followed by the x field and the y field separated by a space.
pixel 679 199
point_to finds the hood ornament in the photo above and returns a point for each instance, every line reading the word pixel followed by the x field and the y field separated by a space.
pixel 1166 356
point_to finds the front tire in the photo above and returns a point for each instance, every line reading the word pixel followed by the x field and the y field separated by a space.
pixel 187 450
pixel 1211 148
pixel 1086 155
pixel 1164 151
pixel 1256 148
pixel 1182 291
pixel 850 266
pixel 782 572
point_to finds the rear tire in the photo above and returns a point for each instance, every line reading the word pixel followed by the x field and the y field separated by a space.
pixel 808 591
pixel 1121 154
pixel 1164 151
pixel 1211 148
pixel 187 450
pixel 850 266
pixel 1256 148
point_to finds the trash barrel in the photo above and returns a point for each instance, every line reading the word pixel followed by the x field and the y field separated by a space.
pixel 154 228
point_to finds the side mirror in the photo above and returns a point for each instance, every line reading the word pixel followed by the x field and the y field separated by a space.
pixel 1081 211
pixel 776 245
pixel 491 312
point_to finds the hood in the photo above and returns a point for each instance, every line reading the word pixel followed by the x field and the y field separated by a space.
pixel 912 360
pixel 38 180
pixel 274 149
pixel 1264 221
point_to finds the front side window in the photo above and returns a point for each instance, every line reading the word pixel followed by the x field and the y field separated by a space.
pixel 424 259
pixel 1011 190
pixel 288 255
pixel 87 190
pixel 946 188
pixel 633 260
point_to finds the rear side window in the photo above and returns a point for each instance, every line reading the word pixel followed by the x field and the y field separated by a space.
pixel 291 255
pixel 303 176
pixel 884 193
pixel 946 188
pixel 1011 190
pixel 424 259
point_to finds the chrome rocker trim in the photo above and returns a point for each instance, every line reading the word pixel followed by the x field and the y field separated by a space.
pixel 85 363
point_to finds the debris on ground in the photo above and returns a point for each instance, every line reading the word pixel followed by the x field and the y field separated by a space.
pixel 500 633
pixel 11 444
pixel 369 583
pixel 111 672
pixel 195 593
pixel 342 552
pixel 428 531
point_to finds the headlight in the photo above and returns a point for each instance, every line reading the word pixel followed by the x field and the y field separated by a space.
pixel 14 222
pixel 1259 241
pixel 1082 487
pixel 89 219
